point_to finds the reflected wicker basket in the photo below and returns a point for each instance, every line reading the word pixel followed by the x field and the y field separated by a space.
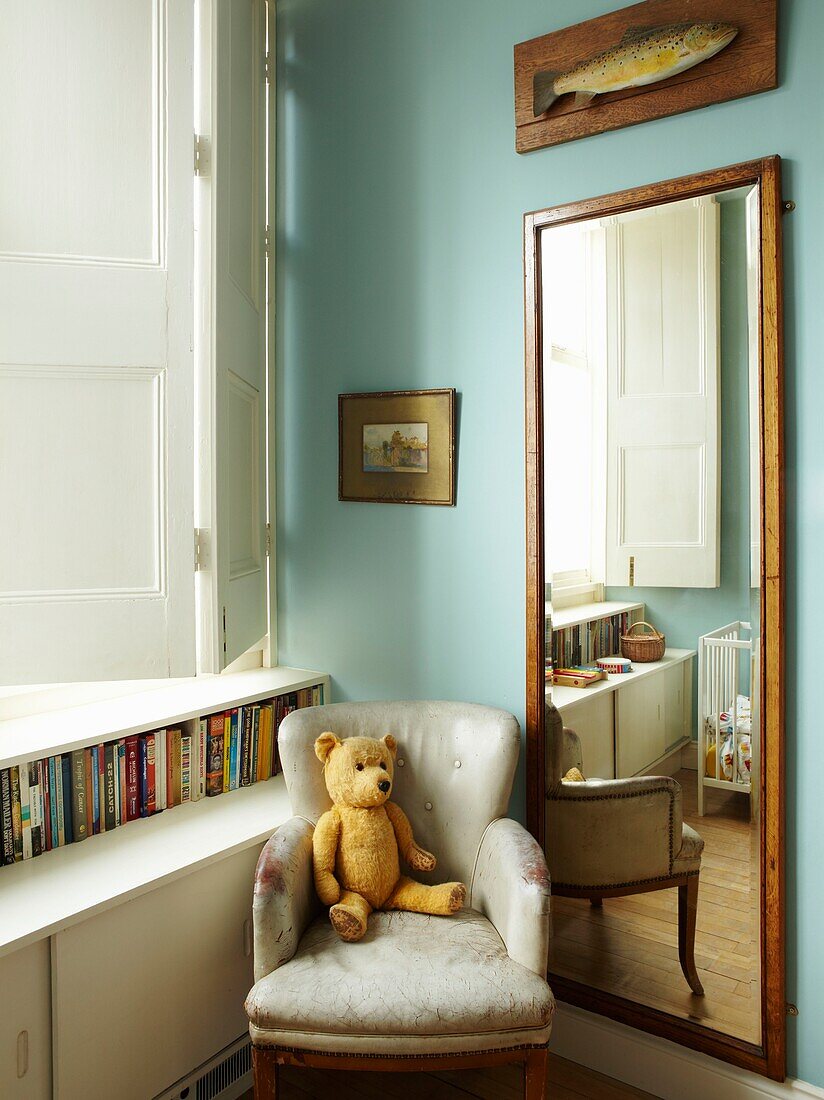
pixel 643 648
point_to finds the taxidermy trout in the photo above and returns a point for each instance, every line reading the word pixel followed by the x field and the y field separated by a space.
pixel 644 55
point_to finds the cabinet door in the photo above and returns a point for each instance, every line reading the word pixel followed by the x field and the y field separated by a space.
pixel 25 1024
pixel 593 721
pixel 149 990
pixel 677 703
pixel 639 724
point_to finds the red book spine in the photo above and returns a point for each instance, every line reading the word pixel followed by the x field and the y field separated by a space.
pixel 170 786
pixel 121 769
pixel 132 779
pixel 151 774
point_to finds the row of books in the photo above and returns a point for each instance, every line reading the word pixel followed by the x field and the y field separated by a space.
pixel 62 799
pixel 585 643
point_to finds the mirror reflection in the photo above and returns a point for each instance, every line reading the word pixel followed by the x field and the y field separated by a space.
pixel 650 334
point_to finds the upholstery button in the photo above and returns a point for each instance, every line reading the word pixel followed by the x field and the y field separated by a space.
pixel 427 805
pixel 401 763
pixel 457 763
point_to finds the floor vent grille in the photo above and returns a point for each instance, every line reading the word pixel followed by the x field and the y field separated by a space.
pixel 226 1076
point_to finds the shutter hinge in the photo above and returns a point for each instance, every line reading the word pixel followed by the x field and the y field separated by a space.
pixel 267 68
pixel 201 549
pixel 224 630
pixel 632 572
pixel 201 155
pixel 268 539
pixel 267 240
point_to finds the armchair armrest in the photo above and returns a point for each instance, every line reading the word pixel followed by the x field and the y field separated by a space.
pixel 613 832
pixel 284 900
pixel 510 886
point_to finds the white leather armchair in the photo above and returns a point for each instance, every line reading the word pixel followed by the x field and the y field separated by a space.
pixel 613 837
pixel 417 992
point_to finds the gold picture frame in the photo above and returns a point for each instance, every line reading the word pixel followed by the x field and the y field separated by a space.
pixel 397 447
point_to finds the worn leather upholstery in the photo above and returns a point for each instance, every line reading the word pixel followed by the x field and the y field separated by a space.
pixel 612 832
pixel 414 984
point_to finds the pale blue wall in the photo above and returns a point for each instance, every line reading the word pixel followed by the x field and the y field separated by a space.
pixel 399 256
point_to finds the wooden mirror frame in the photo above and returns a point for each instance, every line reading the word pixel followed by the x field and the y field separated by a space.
pixel 769 1057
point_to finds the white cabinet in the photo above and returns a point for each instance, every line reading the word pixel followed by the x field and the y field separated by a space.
pixel 593 720
pixel 628 723
pixel 25 1024
pixel 150 989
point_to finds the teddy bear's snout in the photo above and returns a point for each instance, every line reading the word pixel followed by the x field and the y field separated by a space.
pixel 384 785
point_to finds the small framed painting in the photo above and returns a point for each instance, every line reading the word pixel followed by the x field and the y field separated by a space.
pixel 397 447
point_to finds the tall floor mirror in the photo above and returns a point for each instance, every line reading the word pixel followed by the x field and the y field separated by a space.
pixel 655 605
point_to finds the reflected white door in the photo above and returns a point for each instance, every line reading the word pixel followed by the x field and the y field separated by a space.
pixel 663 496
pixel 96 486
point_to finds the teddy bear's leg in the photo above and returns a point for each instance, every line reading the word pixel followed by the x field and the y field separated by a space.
pixel 414 897
pixel 350 915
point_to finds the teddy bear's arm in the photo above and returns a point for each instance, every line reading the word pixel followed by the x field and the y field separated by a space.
pixel 324 853
pixel 417 858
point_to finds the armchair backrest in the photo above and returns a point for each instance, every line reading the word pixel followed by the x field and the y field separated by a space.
pixel 453 772
pixel 606 832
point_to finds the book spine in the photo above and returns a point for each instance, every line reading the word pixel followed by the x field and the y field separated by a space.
pixel 143 772
pixel 151 774
pixel 124 787
pixel 87 763
pixel 116 780
pixel 176 767
pixel 61 810
pixel 101 788
pixel 36 804
pixel 79 815
pixel 95 788
pixel 68 807
pixel 186 767
pixel 234 761
pixel 203 726
pixel 160 770
pixel 214 756
pixel 245 769
pixel 45 793
pixel 54 828
pixel 8 830
pixel 227 747
pixel 25 810
pixel 109 751
pixel 132 778
pixel 255 739
pixel 16 814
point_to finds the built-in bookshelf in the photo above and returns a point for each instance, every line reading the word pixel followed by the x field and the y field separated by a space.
pixel 138 757
pixel 579 635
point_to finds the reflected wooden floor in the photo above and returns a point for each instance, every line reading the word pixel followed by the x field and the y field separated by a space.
pixel 630 947
pixel 566 1081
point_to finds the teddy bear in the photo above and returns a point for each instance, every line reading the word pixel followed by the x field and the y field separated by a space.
pixel 356 844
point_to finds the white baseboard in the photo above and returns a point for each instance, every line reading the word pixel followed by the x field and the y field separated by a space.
pixel 657 1066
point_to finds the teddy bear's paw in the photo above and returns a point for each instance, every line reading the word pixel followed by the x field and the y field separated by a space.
pixel 347 923
pixel 421 860
pixel 457 897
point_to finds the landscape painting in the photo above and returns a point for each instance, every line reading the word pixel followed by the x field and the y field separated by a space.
pixel 396 448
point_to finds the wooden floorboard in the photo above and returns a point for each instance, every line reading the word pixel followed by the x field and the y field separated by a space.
pixel 630 946
pixel 566 1081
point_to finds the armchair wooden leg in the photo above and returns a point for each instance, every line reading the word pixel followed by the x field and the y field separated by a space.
pixel 535 1074
pixel 687 912
pixel 265 1072
pixel 596 903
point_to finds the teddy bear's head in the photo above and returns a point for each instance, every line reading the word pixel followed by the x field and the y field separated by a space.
pixel 358 770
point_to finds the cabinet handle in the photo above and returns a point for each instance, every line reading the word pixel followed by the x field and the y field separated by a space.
pixel 22 1053
pixel 247 938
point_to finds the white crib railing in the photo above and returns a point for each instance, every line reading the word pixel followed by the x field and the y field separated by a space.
pixel 719 684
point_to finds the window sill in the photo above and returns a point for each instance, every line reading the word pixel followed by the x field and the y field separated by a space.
pixel 70 884
pixel 58 731
pixel 587 612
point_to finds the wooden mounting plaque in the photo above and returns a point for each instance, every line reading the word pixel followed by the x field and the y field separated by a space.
pixel 748 65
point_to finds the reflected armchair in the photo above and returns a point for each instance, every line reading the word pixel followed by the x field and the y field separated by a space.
pixel 417 992
pixel 609 838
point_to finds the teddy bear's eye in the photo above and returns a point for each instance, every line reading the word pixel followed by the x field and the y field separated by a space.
pixel 359 767
pixel 383 764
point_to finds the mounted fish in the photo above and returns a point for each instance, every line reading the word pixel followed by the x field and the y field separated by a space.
pixel 656 58
pixel 644 55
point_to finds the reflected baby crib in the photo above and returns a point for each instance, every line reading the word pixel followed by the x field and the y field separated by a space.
pixel 727 711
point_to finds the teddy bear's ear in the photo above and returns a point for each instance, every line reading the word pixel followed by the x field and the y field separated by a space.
pixel 324 745
pixel 391 744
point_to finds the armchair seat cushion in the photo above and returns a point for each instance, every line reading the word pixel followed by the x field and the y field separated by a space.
pixel 414 984
pixel 689 857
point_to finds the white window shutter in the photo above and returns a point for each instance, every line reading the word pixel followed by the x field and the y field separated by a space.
pixel 663 397
pixel 96 416
pixel 238 166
